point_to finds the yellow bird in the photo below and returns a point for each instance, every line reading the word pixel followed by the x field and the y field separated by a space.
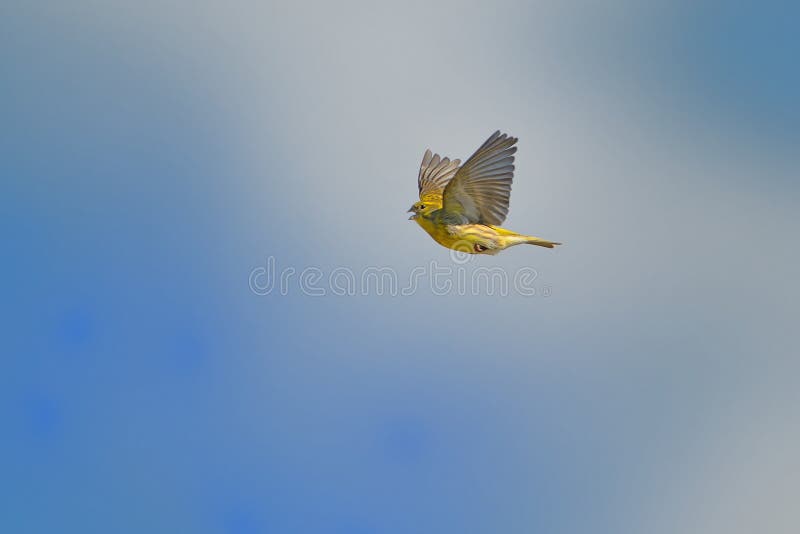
pixel 461 207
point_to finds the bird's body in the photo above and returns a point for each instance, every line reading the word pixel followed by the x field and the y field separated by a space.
pixel 462 207
pixel 473 238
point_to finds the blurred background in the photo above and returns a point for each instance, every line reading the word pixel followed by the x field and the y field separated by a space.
pixel 153 154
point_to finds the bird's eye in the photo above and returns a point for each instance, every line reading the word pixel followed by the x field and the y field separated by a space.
pixel 422 206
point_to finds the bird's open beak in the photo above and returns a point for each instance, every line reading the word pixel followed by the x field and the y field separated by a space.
pixel 413 216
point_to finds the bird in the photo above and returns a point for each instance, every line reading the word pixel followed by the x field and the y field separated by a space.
pixel 463 206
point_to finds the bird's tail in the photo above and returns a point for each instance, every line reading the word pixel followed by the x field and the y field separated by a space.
pixel 532 240
pixel 512 238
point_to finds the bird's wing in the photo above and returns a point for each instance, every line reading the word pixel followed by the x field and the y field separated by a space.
pixel 481 188
pixel 434 173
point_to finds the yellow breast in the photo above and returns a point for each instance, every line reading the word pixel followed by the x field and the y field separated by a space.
pixel 438 232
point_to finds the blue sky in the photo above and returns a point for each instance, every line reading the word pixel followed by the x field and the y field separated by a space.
pixel 154 154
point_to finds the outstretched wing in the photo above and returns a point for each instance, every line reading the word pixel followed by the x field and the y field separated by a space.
pixel 434 173
pixel 481 188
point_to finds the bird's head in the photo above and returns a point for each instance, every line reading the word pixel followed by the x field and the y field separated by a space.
pixel 421 208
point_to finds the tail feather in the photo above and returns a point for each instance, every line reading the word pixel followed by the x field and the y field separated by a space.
pixel 509 239
pixel 519 239
pixel 531 240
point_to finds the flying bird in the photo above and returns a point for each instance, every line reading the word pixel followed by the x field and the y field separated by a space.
pixel 463 206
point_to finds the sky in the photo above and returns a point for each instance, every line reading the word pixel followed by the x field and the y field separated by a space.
pixel 158 157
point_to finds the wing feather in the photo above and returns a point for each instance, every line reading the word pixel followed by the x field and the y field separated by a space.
pixel 481 188
pixel 434 174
